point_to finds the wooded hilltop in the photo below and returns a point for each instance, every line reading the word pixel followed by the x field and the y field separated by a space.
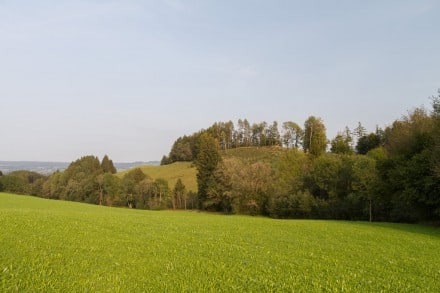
pixel 281 171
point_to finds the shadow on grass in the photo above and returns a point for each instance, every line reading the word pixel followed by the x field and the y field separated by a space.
pixel 430 230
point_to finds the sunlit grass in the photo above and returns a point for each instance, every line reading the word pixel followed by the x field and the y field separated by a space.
pixel 65 246
pixel 186 171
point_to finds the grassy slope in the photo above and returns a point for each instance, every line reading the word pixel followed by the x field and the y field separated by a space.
pixel 65 246
pixel 253 154
pixel 187 172
pixel 183 170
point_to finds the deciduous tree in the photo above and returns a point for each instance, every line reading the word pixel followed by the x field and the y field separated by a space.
pixel 341 144
pixel 292 134
pixel 436 135
pixel 179 196
pixel 129 185
pixel 365 181
pixel 315 139
pixel 369 142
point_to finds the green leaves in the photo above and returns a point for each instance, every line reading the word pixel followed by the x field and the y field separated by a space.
pixel 107 165
pixel 315 139
pixel 207 160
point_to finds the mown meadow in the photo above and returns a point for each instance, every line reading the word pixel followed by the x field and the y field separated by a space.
pixel 185 171
pixel 49 245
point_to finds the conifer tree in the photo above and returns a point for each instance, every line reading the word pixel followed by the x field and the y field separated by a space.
pixel 207 160
pixel 107 165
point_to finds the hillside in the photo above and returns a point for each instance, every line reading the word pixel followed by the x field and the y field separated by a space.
pixel 186 171
pixel 183 170
pixel 50 245
pixel 254 154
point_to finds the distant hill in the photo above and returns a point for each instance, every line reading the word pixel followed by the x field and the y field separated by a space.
pixel 126 166
pixel 47 168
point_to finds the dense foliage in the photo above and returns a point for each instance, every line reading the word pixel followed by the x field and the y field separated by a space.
pixel 387 175
pixel 91 181
pixel 228 136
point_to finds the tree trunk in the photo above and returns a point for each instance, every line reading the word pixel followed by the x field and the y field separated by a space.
pixel 371 211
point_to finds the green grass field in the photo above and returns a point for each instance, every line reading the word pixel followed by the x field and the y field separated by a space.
pixel 183 170
pixel 48 245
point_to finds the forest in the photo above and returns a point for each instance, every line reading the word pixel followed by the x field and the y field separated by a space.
pixel 391 174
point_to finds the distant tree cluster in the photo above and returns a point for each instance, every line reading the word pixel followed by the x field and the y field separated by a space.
pixel 91 181
pixel 312 138
pixel 22 182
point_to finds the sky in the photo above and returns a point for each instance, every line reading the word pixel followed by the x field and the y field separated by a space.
pixel 126 78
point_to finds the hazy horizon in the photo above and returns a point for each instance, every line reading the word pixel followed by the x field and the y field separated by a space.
pixel 126 78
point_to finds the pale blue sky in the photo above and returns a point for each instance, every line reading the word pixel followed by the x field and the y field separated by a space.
pixel 126 78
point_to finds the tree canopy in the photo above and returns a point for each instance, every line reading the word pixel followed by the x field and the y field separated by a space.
pixel 315 139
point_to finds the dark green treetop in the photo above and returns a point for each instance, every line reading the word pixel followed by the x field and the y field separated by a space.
pixel 107 165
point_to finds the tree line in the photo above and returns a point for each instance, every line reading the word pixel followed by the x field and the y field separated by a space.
pixel 244 134
pixel 386 175
pixel 91 181
pixel 311 138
